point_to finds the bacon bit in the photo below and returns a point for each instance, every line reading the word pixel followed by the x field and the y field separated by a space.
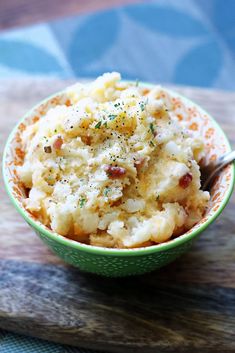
pixel 47 149
pixel 117 203
pixel 58 143
pixel 114 172
pixel 86 140
pixel 185 180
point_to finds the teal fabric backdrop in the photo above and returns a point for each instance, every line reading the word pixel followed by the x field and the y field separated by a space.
pixel 183 42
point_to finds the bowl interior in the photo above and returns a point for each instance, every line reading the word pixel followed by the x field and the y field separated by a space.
pixel 188 113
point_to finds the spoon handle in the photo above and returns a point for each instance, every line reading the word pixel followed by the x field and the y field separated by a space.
pixel 226 158
pixel 220 164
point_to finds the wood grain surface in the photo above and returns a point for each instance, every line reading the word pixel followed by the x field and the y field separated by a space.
pixel 25 12
pixel 188 306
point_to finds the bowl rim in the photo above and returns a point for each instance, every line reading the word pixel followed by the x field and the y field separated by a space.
pixel 97 250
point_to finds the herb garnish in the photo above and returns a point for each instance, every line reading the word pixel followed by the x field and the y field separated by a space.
pixel 142 106
pixel 152 128
pixel 106 191
pixel 112 116
pixel 82 202
pixel 98 125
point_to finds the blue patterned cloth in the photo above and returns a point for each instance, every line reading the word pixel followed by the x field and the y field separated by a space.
pixel 183 42
pixel 12 343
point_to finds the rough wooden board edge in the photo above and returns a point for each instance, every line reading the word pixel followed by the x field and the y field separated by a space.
pixel 93 308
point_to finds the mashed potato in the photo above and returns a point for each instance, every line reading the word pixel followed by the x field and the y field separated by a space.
pixel 114 168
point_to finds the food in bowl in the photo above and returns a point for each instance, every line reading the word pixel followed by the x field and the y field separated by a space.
pixel 115 166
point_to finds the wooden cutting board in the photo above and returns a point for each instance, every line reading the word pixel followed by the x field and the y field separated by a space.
pixel 188 306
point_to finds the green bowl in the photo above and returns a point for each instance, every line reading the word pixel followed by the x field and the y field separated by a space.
pixel 124 262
